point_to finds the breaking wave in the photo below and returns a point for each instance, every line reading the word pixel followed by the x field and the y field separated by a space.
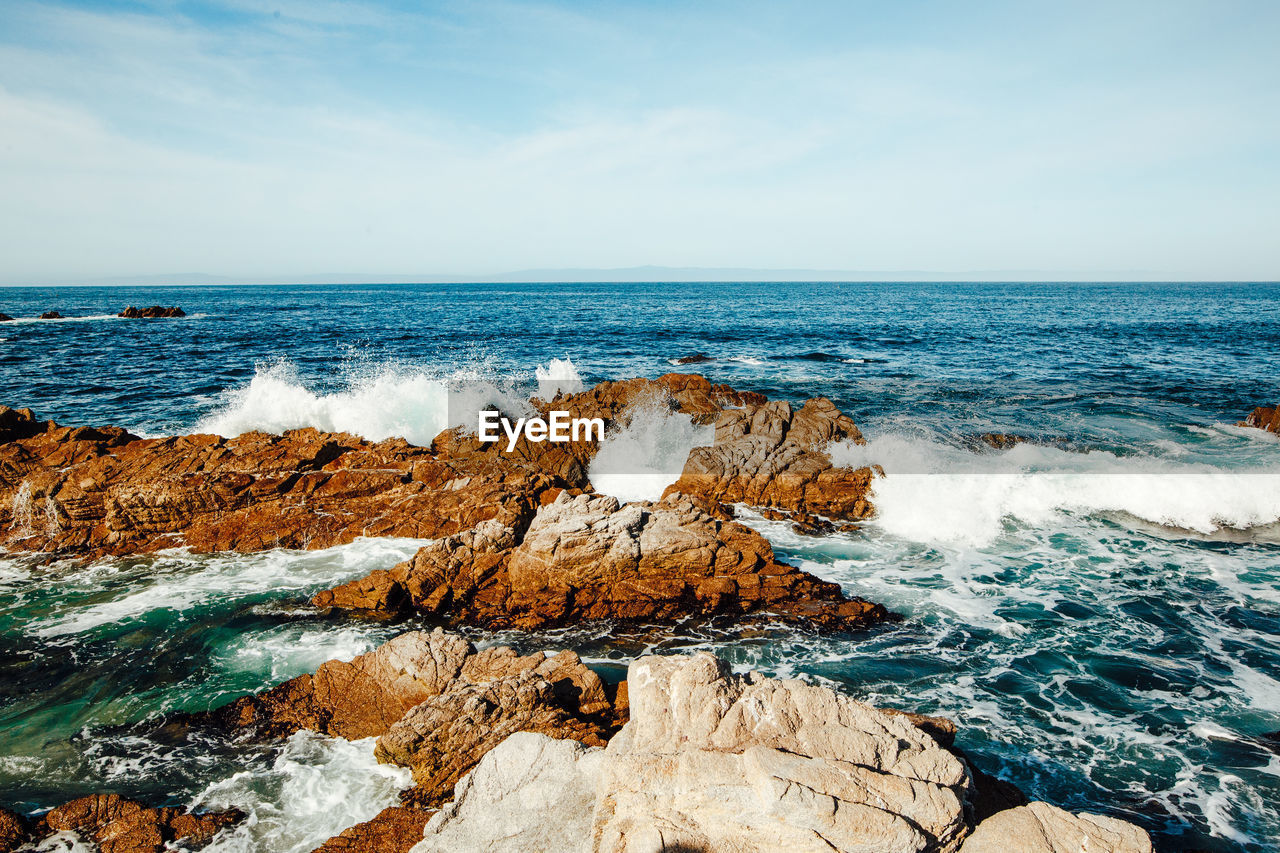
pixel 935 493
pixel 638 461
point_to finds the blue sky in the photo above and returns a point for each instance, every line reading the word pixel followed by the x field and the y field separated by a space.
pixel 280 140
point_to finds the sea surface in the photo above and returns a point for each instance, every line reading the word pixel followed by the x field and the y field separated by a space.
pixel 1098 608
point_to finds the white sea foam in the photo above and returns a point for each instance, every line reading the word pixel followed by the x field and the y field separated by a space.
pixel 317 787
pixel 375 403
pixel 179 582
pixel 22 321
pixel 935 493
pixel 747 359
pixel 638 461
pixel 558 376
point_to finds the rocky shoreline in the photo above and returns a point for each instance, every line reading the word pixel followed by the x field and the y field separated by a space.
pixel 536 752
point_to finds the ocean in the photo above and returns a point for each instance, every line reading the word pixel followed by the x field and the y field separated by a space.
pixel 1098 608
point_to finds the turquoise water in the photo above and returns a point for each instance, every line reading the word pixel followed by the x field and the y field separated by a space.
pixel 1100 613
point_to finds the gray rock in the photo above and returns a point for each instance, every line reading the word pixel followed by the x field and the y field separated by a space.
pixel 1042 828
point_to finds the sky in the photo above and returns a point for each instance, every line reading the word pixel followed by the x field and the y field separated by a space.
pixel 296 139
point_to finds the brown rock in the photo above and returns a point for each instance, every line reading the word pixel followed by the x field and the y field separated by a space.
pixel 393 830
pixel 13 831
pixel 103 491
pixel 51 315
pixel 124 826
pixel 589 557
pixel 773 455
pixel 1263 417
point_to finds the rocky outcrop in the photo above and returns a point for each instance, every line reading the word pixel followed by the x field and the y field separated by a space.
pixel 774 455
pixel 155 311
pixel 4 318
pixel 1042 828
pixel 103 491
pixel 716 761
pixel 118 825
pixel 51 315
pixel 393 830
pixel 1263 417
pixel 436 703
pixel 590 557
pixel 696 358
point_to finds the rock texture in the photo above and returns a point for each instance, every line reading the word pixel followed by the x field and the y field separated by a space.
pixel 713 761
pixel 13 829
pixel 774 455
pixel 118 825
pixel 51 315
pixel 1263 417
pixel 529 793
pixel 103 491
pixel 589 557
pixel 393 830
pixel 1042 828
pixel 132 313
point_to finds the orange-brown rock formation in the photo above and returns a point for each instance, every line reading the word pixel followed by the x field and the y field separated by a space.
pixel 589 557
pixel 118 825
pixel 1263 417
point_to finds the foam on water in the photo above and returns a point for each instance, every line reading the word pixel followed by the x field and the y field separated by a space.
pixel 638 461
pixel 178 582
pixel 933 492
pixel 317 787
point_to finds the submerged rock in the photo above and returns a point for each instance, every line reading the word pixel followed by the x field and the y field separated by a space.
pixel 773 455
pixel 590 557
pixel 696 358
pixel 155 311
pixel 1042 828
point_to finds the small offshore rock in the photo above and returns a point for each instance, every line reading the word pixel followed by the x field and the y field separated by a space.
pixel 51 315
pixel 696 358
pixel 153 312
pixel 1263 417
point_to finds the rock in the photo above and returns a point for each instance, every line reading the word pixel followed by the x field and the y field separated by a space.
pixel 713 761
pixel 392 830
pixel 124 826
pixel 696 358
pixel 155 311
pixel 94 492
pixel 13 831
pixel 530 793
pixel 1271 741
pixel 773 455
pixel 4 318
pixel 1042 828
pixel 590 558
pixel 1263 417
pixel 1001 440
pixel 51 315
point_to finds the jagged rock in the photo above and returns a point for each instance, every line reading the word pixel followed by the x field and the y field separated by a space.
pixel 19 423
pixel 124 826
pixel 696 358
pixel 104 491
pixel 773 455
pixel 132 313
pixel 13 830
pixel 529 793
pixel 1042 828
pixel 51 315
pixel 393 830
pixel 714 761
pixel 1263 417
pixel 589 557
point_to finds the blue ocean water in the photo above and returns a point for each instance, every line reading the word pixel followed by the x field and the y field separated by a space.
pixel 1099 611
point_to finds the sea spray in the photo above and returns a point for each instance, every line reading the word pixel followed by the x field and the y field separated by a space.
pixel 932 492
pixel 639 460
pixel 317 787
pixel 559 376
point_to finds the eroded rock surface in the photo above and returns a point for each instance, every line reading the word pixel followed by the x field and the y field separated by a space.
pixel 590 557
pixel 103 491
pixel 774 455
pixel 393 830
pixel 1042 828
pixel 13 831
pixel 118 825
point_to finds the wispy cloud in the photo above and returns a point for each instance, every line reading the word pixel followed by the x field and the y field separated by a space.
pixel 289 138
